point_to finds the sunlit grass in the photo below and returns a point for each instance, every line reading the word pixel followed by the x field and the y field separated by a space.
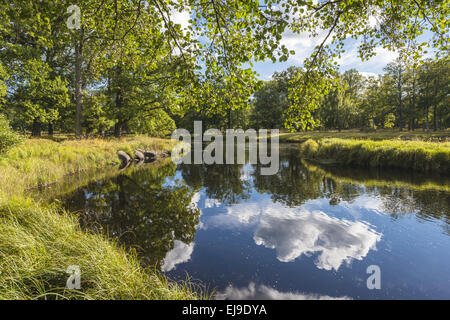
pixel 42 161
pixel 415 155
pixel 39 242
pixel 382 134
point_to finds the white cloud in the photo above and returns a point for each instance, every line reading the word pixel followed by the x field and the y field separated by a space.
pixel 337 241
pixel 303 44
pixel 179 254
pixel 294 232
pixel 368 74
pixel 350 59
pixel 262 292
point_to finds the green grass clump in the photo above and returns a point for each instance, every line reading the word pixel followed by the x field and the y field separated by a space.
pixel 38 244
pixel 415 155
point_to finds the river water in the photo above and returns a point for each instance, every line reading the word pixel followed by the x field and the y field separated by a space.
pixel 308 232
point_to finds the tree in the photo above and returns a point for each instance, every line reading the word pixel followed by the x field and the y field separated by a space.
pixel 398 26
pixel 396 75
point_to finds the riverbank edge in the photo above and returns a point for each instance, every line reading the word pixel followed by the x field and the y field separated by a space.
pixel 39 242
pixel 417 156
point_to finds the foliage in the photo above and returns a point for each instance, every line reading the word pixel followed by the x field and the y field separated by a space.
pixel 138 60
pixel 402 97
pixel 8 138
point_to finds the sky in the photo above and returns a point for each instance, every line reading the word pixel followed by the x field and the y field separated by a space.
pixel 303 45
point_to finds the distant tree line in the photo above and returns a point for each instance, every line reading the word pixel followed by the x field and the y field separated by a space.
pixel 403 97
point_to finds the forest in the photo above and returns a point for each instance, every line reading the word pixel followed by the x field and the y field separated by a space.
pixel 131 69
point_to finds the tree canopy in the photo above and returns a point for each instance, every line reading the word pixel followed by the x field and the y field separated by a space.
pixel 131 66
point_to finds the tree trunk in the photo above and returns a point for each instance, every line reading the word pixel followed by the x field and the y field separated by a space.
pixel 435 107
pixel 119 103
pixel 36 130
pixel 78 86
pixel 400 99
pixel 118 129
pixel 50 129
pixel 413 105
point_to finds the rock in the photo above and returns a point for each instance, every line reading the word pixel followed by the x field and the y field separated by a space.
pixel 164 154
pixel 139 155
pixel 123 156
pixel 149 155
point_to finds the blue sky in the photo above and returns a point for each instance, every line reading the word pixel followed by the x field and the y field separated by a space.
pixel 303 45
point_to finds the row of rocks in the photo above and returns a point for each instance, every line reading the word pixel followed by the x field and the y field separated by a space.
pixel 140 157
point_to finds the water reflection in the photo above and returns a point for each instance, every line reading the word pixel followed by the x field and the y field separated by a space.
pixel 308 228
pixel 295 234
pixel 143 214
pixel 262 292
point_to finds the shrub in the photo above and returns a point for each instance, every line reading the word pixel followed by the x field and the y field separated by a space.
pixel 8 138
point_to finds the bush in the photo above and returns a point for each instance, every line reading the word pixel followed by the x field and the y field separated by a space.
pixel 8 138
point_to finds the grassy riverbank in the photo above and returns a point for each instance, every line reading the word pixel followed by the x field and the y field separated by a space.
pixel 43 161
pixel 382 134
pixel 412 155
pixel 39 242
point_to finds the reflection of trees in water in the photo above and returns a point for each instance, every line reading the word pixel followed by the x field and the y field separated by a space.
pixel 401 201
pixel 221 181
pixel 135 208
pixel 298 181
pixel 295 183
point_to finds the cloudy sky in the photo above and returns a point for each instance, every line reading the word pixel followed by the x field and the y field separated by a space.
pixel 303 45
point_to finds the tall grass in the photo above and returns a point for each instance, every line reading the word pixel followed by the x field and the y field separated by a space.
pixel 38 242
pixel 383 134
pixel 42 161
pixel 414 155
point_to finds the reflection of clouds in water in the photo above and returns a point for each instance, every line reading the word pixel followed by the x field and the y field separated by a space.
pixel 194 204
pixel 296 234
pixel 179 254
pixel 211 203
pixel 238 215
pixel 262 292
pixel 246 172
pixel 293 232
pixel 374 204
pixel 195 199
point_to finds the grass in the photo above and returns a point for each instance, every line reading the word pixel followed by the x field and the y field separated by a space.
pixel 414 155
pixel 383 134
pixel 38 242
pixel 381 178
pixel 42 161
